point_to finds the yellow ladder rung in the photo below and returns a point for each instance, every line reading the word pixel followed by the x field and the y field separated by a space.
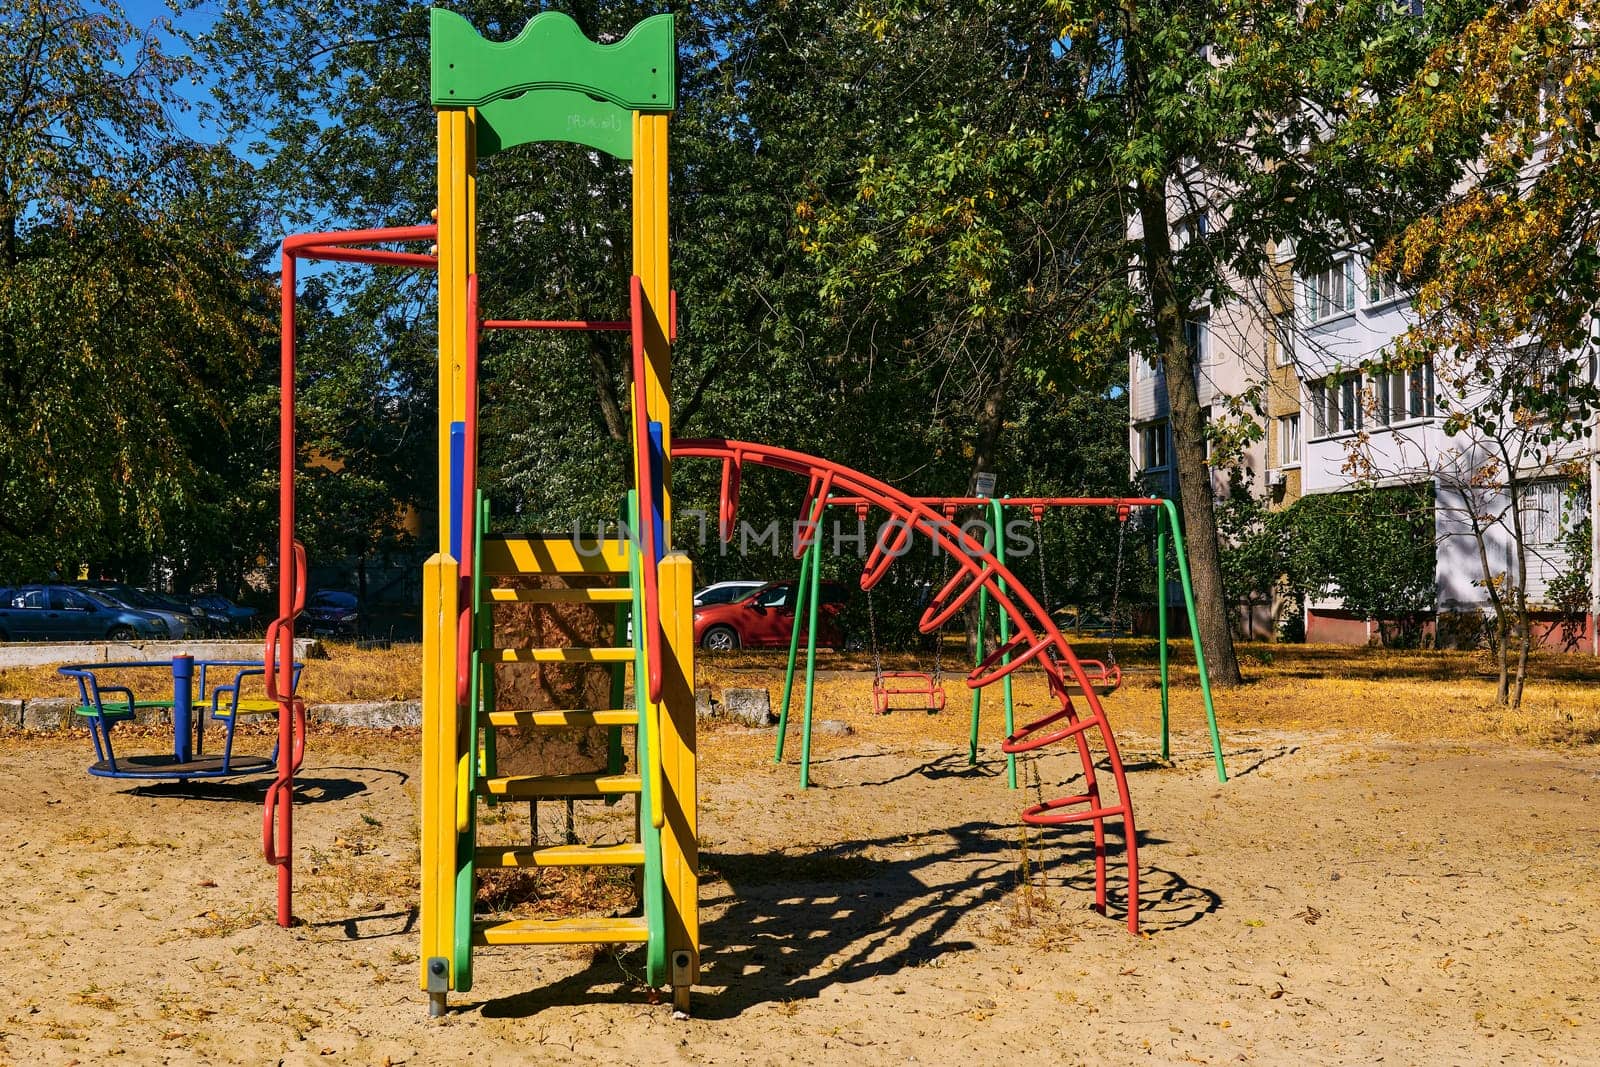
pixel 562 856
pixel 535 786
pixel 552 555
pixel 562 655
pixel 607 717
pixel 601 595
pixel 582 931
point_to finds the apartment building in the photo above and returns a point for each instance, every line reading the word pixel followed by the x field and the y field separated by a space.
pixel 1330 420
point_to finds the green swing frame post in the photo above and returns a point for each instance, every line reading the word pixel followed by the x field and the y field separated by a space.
pixel 807 589
pixel 1168 528
pixel 995 541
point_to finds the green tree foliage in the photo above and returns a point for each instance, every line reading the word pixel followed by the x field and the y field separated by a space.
pixel 130 306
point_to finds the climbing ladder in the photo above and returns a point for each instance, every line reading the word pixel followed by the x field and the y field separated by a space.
pixel 553 84
pixel 499 556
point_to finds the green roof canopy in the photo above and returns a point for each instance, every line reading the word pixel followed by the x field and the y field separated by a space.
pixel 638 72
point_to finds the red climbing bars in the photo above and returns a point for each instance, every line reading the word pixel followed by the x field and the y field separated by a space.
pixel 978 568
pixel 589 325
pixel 277 816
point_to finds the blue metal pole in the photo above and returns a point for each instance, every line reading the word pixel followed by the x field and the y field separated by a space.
pixel 182 706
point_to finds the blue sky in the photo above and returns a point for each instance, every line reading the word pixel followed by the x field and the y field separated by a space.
pixel 144 13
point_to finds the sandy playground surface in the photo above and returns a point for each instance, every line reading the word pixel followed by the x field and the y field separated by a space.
pixel 1344 899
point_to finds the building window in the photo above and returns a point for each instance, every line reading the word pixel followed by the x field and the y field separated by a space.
pixel 1331 292
pixel 1197 338
pixel 1153 446
pixel 1382 286
pixel 1189 229
pixel 1335 404
pixel 1289 441
pixel 1550 511
pixel 1350 403
pixel 1147 368
pixel 1405 394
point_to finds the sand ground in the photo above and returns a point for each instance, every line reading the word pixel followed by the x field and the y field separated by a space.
pixel 1344 899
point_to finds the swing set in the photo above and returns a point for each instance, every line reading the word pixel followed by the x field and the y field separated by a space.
pixel 1104 677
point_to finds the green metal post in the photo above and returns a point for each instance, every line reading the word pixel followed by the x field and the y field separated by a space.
pixel 1161 623
pixel 1005 637
pixel 1194 632
pixel 811 652
pixel 616 758
pixel 977 658
pixel 801 588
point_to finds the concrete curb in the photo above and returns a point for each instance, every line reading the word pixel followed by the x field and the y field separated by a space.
pixel 45 714
pixel 37 654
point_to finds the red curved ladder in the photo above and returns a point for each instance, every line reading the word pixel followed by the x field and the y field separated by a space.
pixel 1036 639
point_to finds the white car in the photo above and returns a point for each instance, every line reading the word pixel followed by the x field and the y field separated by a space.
pixel 724 592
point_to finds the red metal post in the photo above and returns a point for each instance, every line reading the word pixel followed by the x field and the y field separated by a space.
pixel 277 816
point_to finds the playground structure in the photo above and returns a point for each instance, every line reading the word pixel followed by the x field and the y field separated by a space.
pixel 1103 677
pixel 103 705
pixel 553 84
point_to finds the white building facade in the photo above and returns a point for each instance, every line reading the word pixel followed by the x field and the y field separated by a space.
pixel 1331 420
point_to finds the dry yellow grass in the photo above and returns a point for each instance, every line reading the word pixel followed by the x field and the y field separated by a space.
pixel 1408 695
pixel 347 674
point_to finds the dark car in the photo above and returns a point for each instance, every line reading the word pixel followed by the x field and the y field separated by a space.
pixel 334 612
pixel 765 619
pixel 181 622
pixel 236 616
pixel 62 613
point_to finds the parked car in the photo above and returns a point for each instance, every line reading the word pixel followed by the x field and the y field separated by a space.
pixel 725 592
pixel 237 616
pixel 181 623
pixel 62 613
pixel 1085 622
pixel 334 612
pixel 765 619
pixel 205 622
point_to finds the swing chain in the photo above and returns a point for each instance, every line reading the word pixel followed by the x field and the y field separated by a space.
pixel 1044 584
pixel 1116 585
pixel 877 656
pixel 938 637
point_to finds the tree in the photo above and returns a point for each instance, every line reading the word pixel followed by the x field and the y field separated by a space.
pixel 1181 143
pixel 778 108
pixel 129 296
pixel 1504 272
pixel 1371 547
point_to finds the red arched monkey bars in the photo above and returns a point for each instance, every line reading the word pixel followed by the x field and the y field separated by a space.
pixel 1036 638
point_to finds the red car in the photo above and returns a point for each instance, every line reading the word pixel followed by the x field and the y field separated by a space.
pixel 765 619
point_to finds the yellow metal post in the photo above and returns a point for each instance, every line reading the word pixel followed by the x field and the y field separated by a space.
pixel 680 849
pixel 650 264
pixel 445 751
pixel 438 765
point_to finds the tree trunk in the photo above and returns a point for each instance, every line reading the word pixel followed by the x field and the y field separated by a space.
pixel 1520 594
pixel 1481 538
pixel 985 446
pixel 1188 442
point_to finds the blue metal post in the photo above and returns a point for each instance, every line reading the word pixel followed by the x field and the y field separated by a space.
pixel 182 706
pixel 458 466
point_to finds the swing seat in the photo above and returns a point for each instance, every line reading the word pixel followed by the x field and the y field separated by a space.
pixel 1102 679
pixel 907 683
